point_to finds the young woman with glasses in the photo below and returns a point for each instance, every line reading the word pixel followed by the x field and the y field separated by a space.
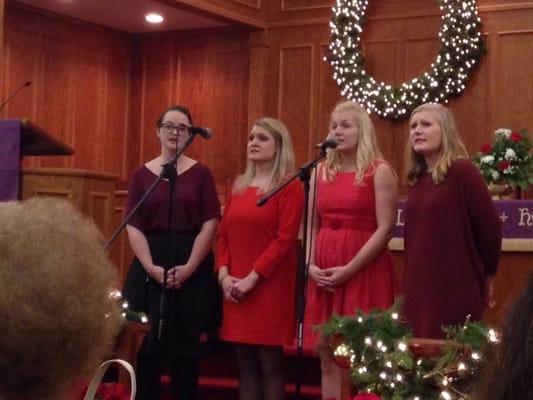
pixel 183 250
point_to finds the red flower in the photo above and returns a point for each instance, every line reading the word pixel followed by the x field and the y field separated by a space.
pixel 516 137
pixel 367 396
pixel 503 165
pixel 486 149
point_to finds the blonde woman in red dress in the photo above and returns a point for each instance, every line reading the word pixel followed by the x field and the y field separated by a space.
pixel 350 267
pixel 256 261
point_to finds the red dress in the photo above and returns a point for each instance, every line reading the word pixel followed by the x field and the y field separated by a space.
pixel 263 239
pixel 347 219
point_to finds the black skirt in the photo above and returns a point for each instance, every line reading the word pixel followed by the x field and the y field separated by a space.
pixel 194 308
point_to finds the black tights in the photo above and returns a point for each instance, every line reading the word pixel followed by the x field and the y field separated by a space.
pixel 183 374
pixel 260 372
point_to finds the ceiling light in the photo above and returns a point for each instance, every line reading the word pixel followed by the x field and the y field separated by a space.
pixel 154 18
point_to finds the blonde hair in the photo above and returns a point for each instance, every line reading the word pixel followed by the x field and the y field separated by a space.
pixel 367 151
pixel 283 160
pixel 58 320
pixel 451 149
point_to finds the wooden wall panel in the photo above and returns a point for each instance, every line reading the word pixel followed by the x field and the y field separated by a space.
pixel 116 114
pixel 20 65
pixel 156 81
pixel 328 94
pixel 514 85
pixel 1 35
pixel 55 98
pixel 73 68
pixel 208 73
pixel 86 129
pixel 296 96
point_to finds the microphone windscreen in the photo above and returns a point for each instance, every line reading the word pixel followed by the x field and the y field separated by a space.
pixel 208 133
pixel 330 144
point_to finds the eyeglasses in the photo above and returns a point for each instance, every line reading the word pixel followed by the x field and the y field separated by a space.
pixel 168 128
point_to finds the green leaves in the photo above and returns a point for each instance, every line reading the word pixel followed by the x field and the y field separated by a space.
pixel 376 346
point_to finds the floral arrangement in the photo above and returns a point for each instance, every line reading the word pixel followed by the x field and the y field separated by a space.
pixel 508 159
pixel 377 348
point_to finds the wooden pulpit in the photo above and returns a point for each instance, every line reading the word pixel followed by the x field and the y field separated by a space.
pixel 35 141
pixel 19 138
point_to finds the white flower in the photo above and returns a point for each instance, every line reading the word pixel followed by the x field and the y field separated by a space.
pixel 489 159
pixel 495 175
pixel 508 170
pixel 510 154
pixel 503 131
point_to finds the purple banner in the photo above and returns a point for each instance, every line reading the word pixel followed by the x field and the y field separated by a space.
pixel 516 217
pixel 9 159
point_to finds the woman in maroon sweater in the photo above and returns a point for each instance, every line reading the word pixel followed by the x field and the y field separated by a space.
pixel 183 249
pixel 452 231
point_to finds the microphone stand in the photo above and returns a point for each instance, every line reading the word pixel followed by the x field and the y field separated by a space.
pixel 304 174
pixel 168 172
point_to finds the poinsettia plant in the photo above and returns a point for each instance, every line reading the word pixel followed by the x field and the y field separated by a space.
pixel 509 159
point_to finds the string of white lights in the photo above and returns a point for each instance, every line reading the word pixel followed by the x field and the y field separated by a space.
pixel 462 47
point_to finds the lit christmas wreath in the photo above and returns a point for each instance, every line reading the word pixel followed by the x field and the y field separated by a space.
pixel 461 49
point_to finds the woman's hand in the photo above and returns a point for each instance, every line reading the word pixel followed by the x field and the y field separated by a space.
pixel 227 287
pixel 157 273
pixel 243 286
pixel 177 276
pixel 319 276
pixel 335 276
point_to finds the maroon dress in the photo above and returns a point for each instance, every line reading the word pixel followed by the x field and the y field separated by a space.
pixel 195 307
pixel 452 243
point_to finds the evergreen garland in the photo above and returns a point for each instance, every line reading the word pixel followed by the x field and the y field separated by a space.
pixel 376 348
pixel 461 49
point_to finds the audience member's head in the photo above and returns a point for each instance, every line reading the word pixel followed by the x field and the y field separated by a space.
pixel 57 319
pixel 509 370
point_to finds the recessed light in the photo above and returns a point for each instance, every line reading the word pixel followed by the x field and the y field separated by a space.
pixel 154 18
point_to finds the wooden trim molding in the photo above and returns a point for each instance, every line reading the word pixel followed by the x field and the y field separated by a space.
pixel 69 172
pixel 508 245
pixel 223 13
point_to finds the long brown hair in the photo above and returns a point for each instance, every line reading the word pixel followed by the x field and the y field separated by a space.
pixel 452 146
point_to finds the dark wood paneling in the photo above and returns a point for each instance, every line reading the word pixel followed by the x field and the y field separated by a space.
pixel 79 75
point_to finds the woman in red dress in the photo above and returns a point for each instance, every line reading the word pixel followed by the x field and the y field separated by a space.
pixel 256 261
pixel 350 265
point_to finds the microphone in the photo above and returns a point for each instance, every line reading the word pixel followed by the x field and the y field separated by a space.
pixel 27 83
pixel 327 144
pixel 205 133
